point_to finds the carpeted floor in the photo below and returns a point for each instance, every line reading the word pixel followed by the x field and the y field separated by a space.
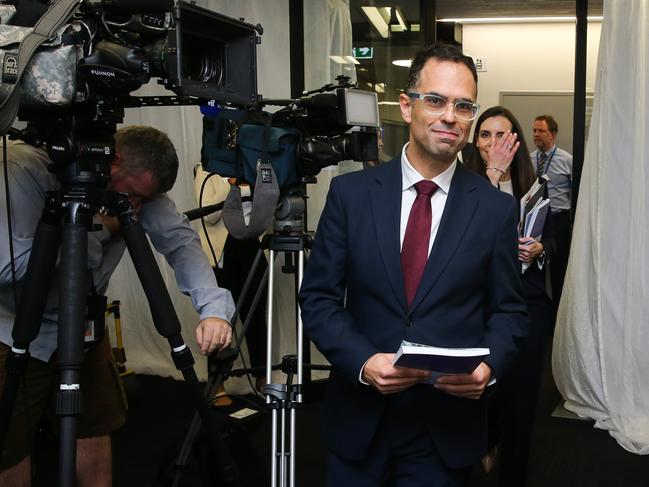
pixel 565 452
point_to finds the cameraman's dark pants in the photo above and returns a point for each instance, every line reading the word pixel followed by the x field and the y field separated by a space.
pixel 238 257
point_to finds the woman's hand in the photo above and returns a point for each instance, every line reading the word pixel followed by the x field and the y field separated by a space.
pixel 529 249
pixel 501 153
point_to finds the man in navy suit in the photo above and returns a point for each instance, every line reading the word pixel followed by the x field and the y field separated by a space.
pixel 419 249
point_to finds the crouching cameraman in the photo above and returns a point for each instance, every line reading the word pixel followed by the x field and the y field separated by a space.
pixel 144 167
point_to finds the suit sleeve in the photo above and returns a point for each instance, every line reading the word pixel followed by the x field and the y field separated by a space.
pixel 327 321
pixel 506 308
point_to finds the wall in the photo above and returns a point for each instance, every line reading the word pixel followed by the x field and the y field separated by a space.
pixel 528 57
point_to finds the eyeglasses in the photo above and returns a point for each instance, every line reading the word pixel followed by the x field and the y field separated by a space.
pixel 436 105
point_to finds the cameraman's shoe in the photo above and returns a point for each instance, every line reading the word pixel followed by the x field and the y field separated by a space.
pixel 220 398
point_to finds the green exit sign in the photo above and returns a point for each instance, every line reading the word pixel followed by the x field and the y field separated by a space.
pixel 363 52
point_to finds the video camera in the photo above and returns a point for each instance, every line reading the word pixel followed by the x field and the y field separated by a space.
pixel 76 86
pixel 324 127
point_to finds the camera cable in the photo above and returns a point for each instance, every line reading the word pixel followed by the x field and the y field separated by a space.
pixel 234 318
pixel 9 226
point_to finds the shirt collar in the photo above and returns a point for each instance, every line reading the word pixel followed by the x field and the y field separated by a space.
pixel 410 176
pixel 549 151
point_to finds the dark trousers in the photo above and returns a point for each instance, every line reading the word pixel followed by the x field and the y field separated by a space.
pixel 559 262
pixel 402 454
pixel 238 257
pixel 512 408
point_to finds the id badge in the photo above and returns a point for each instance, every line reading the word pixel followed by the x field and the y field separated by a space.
pixel 95 325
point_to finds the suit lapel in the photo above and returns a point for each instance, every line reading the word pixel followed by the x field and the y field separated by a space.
pixel 458 212
pixel 385 198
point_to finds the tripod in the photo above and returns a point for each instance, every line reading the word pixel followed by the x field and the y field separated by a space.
pixel 282 399
pixel 65 223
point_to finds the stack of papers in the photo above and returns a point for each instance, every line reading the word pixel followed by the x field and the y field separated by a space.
pixel 533 212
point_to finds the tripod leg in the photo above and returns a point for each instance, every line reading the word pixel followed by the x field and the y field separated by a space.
pixel 167 325
pixel 269 368
pixel 31 305
pixel 73 290
pixel 287 398
pixel 300 366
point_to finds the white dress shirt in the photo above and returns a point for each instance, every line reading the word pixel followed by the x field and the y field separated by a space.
pixel 410 177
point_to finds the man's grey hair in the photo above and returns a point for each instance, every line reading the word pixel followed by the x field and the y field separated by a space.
pixel 148 149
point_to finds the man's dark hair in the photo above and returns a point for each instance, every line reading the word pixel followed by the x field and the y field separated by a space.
pixel 553 126
pixel 147 149
pixel 440 52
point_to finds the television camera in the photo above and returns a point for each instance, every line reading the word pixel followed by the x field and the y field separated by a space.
pixel 76 86
pixel 322 128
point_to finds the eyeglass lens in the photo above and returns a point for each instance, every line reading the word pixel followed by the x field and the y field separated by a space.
pixel 437 105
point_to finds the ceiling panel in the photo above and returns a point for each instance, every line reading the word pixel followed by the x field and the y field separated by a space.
pixel 511 8
pixel 481 8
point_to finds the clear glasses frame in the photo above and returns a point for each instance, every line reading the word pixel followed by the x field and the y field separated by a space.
pixel 437 105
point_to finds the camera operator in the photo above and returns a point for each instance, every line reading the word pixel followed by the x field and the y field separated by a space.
pixel 144 167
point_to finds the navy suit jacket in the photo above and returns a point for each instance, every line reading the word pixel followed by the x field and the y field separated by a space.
pixel 353 302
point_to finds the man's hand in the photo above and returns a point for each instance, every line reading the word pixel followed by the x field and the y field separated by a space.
pixel 529 249
pixel 213 334
pixel 470 386
pixel 387 379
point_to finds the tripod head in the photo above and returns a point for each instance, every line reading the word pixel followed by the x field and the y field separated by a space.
pixel 290 212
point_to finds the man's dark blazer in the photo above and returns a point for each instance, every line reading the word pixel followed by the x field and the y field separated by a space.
pixel 353 301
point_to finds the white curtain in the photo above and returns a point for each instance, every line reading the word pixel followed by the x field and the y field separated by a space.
pixel 327 32
pixel 600 358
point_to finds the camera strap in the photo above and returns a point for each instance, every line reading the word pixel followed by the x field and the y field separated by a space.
pixel 264 201
pixel 47 26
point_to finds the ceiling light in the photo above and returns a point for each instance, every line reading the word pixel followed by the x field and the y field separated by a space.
pixel 379 18
pixel 399 23
pixel 379 87
pixel 404 63
pixel 514 20
pixel 388 103
pixel 352 60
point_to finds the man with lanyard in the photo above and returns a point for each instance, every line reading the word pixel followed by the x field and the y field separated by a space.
pixel 556 163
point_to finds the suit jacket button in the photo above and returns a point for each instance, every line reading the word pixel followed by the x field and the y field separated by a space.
pixel 409 322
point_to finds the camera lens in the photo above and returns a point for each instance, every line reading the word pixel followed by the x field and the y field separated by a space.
pixel 201 64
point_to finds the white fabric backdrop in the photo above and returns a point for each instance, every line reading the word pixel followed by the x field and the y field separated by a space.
pixel 600 358
pixel 327 32
pixel 146 351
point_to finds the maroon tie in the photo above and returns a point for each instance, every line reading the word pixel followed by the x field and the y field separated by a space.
pixel 414 251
